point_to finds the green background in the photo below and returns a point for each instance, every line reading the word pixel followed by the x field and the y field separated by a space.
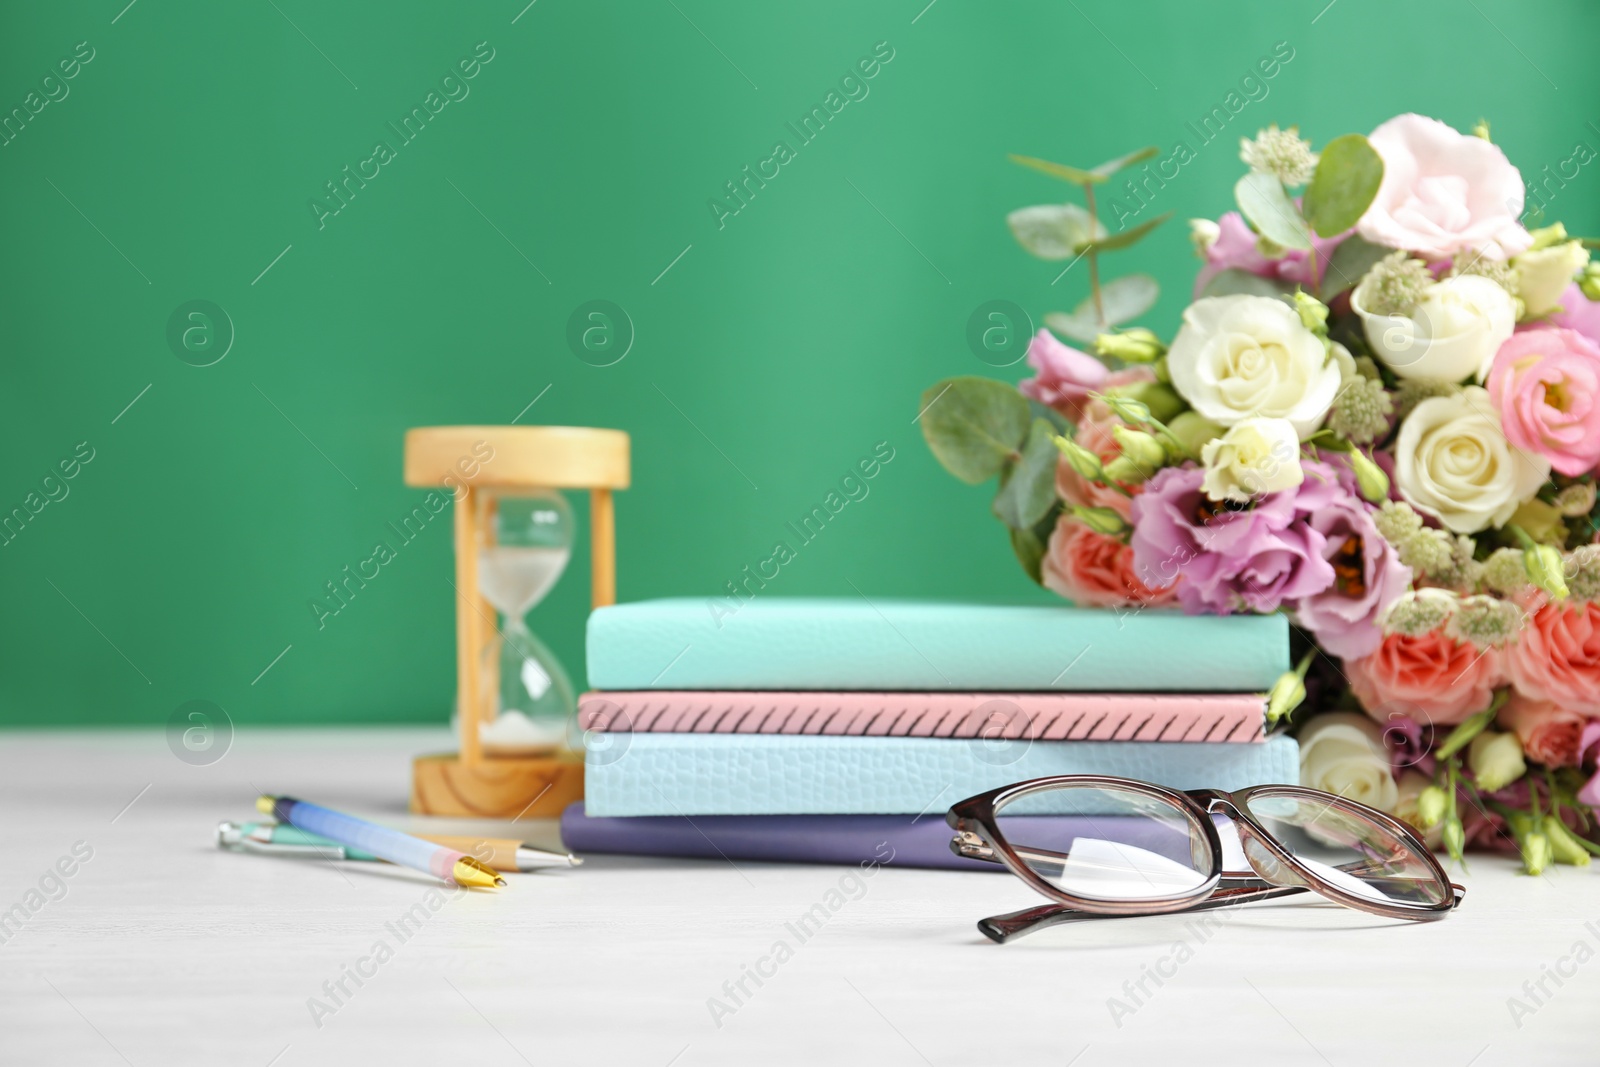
pixel 775 353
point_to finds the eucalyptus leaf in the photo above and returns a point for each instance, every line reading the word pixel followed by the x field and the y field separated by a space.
pixel 1050 415
pixel 1076 325
pixel 1030 552
pixel 1348 174
pixel 1111 166
pixel 1030 490
pixel 1263 201
pixel 1234 282
pixel 1128 297
pixel 1053 231
pixel 1060 170
pixel 1349 264
pixel 1126 237
pixel 974 425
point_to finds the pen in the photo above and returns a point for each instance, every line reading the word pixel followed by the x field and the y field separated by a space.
pixel 267 838
pixel 448 864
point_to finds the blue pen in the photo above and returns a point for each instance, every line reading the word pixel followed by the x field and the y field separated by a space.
pixel 392 845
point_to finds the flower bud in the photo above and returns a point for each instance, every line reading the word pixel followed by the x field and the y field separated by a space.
pixel 1545 569
pixel 1128 471
pixel 1545 236
pixel 1432 805
pixel 1589 281
pixel 1140 447
pixel 1535 853
pixel 1370 479
pixel 1157 397
pixel 1194 430
pixel 1563 846
pixel 1576 499
pixel 1480 129
pixel 1126 408
pixel 1080 459
pixel 1100 520
pixel 1496 760
pixel 1313 312
pixel 1203 233
pixel 1454 837
pixel 1287 693
pixel 1137 345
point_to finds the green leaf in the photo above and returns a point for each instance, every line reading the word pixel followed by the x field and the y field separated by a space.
pixel 1126 237
pixel 1052 231
pixel 974 425
pixel 1077 177
pixel 1269 209
pixel 1111 166
pixel 1050 415
pixel 1233 282
pixel 1128 297
pixel 1349 263
pixel 1030 490
pixel 1347 178
pixel 1124 299
pixel 1030 552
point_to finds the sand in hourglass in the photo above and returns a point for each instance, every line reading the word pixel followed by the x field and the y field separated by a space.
pixel 514 578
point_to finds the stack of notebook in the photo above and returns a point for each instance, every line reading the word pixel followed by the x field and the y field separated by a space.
pixel 833 730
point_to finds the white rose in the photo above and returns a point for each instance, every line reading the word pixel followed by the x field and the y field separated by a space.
pixel 1254 457
pixel 1452 461
pixel 1542 276
pixel 1343 752
pixel 1237 357
pixel 1454 332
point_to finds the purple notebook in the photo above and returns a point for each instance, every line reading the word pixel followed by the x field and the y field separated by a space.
pixel 891 840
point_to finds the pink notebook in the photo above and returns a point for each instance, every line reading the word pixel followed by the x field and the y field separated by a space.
pixel 1040 716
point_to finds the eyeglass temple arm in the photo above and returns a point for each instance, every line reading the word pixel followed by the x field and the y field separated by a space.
pixel 1003 928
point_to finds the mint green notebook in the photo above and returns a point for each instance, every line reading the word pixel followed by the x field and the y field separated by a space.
pixel 896 645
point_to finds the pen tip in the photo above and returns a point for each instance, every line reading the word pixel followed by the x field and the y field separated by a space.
pixel 576 861
pixel 500 882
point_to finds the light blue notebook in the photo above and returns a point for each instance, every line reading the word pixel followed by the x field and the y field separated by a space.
pixel 741 774
pixel 898 645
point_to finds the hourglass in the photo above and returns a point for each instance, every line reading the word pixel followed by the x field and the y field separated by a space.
pixel 523 547
pixel 514 533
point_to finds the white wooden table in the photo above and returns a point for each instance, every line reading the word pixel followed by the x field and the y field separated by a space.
pixel 160 949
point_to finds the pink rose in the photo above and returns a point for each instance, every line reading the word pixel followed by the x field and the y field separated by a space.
pixel 1557 656
pixel 1094 433
pixel 1579 313
pixel 1066 376
pixel 1546 385
pixel 1235 248
pixel 1094 570
pixel 1432 679
pixel 1549 733
pixel 1443 192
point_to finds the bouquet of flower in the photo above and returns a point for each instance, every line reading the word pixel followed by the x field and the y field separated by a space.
pixel 1380 415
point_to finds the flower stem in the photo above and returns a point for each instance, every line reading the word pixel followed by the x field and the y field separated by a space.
pixel 1094 261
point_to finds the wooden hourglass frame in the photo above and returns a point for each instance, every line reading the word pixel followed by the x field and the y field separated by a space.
pixel 472 461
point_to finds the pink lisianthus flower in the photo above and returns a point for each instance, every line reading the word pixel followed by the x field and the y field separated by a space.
pixel 1235 249
pixel 1095 570
pixel 1443 192
pixel 1255 559
pixel 1578 313
pixel 1546 386
pixel 1065 375
pixel 1368 578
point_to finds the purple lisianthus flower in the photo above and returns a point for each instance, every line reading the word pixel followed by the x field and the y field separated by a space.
pixel 1254 559
pixel 1578 313
pixel 1066 376
pixel 1235 248
pixel 1368 577
pixel 1410 745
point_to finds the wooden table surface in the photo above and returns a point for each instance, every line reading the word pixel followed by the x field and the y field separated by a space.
pixel 161 949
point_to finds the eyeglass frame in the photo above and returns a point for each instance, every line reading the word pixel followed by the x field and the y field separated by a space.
pixel 979 837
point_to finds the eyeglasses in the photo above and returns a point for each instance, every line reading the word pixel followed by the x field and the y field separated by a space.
pixel 1100 846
